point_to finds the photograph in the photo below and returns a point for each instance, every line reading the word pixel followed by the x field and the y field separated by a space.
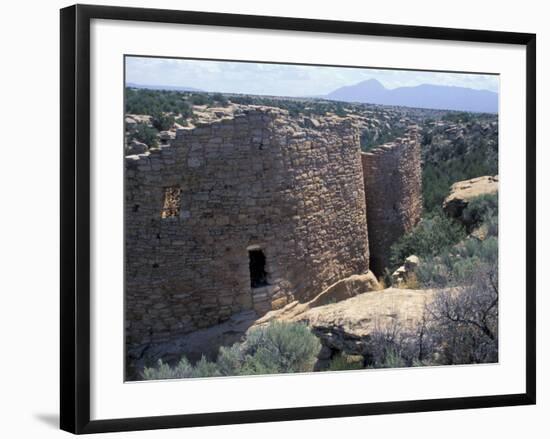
pixel 298 218
pixel 270 220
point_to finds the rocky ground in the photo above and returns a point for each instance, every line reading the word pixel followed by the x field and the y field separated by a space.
pixel 343 316
pixel 345 327
pixel 446 139
pixel 464 191
pixel 378 124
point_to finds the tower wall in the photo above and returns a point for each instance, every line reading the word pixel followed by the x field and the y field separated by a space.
pixel 260 180
pixel 393 188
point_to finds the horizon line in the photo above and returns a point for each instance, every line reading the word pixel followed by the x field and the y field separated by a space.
pixel 199 90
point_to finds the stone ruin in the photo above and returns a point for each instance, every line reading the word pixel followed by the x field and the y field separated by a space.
pixel 393 187
pixel 254 211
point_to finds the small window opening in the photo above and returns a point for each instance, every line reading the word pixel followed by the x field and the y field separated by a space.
pixel 258 275
pixel 172 202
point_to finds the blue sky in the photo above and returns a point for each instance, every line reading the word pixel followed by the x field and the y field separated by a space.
pixel 281 79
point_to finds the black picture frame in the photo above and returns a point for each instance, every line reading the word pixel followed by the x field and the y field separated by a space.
pixel 75 217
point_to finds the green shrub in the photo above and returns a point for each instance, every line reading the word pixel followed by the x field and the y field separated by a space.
pixel 199 99
pixel 220 99
pixel 280 348
pixel 183 369
pixel 230 360
pixel 145 134
pixel 205 368
pixel 392 359
pixel 482 209
pixel 432 272
pixel 346 362
pixel 488 251
pixel 162 122
pixel 182 121
pixel 368 142
pixel 434 234
pixel 459 264
pixel 144 101
pixel 443 167
pixel 458 116
pixel 164 372
pixel 276 348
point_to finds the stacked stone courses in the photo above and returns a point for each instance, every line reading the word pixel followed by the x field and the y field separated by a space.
pixel 393 188
pixel 261 180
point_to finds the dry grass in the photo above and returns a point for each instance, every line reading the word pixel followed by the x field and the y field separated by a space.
pixel 410 283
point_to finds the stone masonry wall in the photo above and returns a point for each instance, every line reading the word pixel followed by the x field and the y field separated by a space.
pixel 260 180
pixel 393 187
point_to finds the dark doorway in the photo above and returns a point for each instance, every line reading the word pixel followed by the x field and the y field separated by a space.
pixel 258 276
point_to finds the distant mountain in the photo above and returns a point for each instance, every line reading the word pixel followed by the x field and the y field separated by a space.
pixel 440 97
pixel 162 87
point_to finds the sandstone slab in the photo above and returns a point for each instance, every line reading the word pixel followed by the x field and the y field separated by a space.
pixel 462 192
pixel 346 326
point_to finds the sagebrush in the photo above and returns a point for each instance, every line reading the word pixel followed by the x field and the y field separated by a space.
pixel 278 347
